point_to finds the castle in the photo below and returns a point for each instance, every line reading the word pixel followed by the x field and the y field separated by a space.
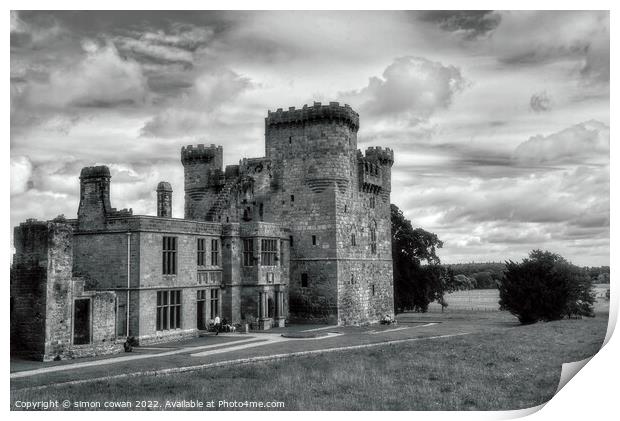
pixel 299 235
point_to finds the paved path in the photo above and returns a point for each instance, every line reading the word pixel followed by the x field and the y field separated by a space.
pixel 235 348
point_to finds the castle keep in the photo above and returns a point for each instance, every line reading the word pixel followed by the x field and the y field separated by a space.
pixel 299 235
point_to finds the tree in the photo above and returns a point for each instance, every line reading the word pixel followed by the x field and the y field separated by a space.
pixel 416 285
pixel 545 287
pixel 462 283
pixel 484 280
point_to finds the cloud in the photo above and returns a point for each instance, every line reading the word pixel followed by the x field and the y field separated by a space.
pixel 411 87
pixel 535 38
pixel 21 173
pixel 582 143
pixel 540 102
pixel 177 45
pixel 191 113
pixel 101 79
pixel 469 24
pixel 128 88
pixel 34 34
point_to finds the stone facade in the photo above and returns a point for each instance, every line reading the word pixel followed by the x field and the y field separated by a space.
pixel 300 235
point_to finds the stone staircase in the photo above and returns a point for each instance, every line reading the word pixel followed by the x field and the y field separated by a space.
pixel 221 201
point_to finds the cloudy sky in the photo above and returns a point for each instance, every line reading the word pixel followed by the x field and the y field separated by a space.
pixel 499 120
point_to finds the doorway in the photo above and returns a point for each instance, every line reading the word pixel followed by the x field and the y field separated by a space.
pixel 81 321
pixel 201 304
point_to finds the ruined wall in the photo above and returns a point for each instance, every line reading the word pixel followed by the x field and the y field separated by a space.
pixel 103 305
pixel 43 292
pixel 29 288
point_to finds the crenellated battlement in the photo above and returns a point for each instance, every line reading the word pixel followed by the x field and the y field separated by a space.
pixel 99 171
pixel 315 113
pixel 384 156
pixel 201 153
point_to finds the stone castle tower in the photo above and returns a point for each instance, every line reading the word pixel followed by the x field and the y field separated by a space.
pixel 334 199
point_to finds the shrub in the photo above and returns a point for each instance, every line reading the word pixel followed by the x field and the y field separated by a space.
pixel 545 287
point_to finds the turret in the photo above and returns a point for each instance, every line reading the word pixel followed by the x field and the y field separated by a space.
pixel 164 200
pixel 94 197
pixel 325 135
pixel 203 178
pixel 377 166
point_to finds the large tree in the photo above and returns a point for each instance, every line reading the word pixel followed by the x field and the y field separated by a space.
pixel 544 286
pixel 419 277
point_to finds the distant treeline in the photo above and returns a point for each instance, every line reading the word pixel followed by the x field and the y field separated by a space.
pixel 486 275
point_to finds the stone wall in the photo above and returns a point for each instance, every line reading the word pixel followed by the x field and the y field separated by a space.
pixel 29 275
pixel 43 293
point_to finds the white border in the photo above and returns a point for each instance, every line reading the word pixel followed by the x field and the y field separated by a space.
pixel 592 394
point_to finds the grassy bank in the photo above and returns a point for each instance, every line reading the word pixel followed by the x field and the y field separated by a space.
pixel 512 368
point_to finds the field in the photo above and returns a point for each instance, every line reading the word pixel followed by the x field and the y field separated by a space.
pixel 474 299
pixel 488 299
pixel 507 367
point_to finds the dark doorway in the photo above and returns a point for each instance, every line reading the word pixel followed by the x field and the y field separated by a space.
pixel 270 308
pixel 201 303
pixel 81 322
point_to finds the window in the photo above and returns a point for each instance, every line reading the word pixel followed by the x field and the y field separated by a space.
pixel 314 240
pixel 290 238
pixel 372 202
pixel 200 246
pixel 215 303
pixel 281 252
pixel 304 280
pixel 215 248
pixel 373 289
pixel 268 252
pixel 169 256
pixel 248 252
pixel 169 309
pixel 353 239
pixel 210 277
pixel 292 198
pixel 373 240
pixel 345 208
pixel 290 138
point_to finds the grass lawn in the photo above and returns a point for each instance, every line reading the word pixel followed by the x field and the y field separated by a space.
pixel 509 368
